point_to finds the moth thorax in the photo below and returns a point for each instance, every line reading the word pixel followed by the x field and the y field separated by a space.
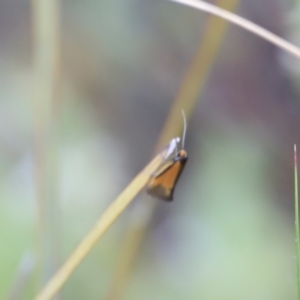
pixel 182 153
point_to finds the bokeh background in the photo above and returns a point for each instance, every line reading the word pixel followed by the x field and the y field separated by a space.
pixel 86 88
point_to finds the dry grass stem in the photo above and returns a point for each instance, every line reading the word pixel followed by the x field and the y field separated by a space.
pixel 103 224
pixel 46 89
pixel 248 25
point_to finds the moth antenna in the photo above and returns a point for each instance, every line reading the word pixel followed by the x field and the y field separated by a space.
pixel 184 128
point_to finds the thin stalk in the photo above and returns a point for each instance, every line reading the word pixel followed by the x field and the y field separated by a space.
pixel 297 221
pixel 46 97
pixel 103 224
pixel 244 23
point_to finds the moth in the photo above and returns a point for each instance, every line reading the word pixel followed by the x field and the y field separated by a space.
pixel 163 182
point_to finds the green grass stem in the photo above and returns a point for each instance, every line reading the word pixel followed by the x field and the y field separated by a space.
pixel 297 222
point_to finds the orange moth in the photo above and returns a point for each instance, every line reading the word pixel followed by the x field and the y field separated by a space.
pixel 164 180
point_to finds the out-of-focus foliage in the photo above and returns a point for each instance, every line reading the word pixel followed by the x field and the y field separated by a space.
pixel 229 232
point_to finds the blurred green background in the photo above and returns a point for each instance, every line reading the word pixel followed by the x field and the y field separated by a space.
pixel 65 155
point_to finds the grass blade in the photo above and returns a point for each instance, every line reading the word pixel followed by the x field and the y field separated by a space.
pixel 103 224
pixel 297 221
pixel 244 23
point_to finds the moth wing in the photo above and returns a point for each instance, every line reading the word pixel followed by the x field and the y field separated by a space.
pixel 162 184
pixel 172 146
